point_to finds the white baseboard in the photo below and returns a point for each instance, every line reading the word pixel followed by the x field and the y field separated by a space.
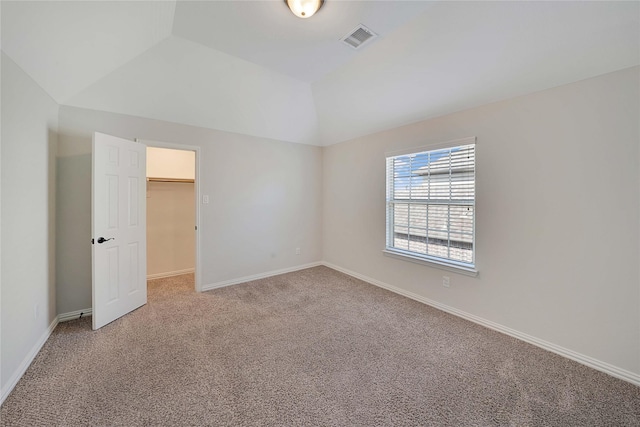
pixel 170 274
pixel 27 361
pixel 259 276
pixel 72 315
pixel 570 354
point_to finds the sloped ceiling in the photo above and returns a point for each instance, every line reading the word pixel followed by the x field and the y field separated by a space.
pixel 458 55
pixel 252 67
pixel 181 81
pixel 305 49
pixel 66 46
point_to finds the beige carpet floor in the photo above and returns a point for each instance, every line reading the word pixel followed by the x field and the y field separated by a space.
pixel 310 348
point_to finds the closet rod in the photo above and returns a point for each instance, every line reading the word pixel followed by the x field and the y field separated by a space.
pixel 149 179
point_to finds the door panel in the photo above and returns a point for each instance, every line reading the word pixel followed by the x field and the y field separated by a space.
pixel 118 216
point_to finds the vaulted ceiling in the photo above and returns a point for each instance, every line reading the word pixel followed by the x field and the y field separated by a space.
pixel 252 67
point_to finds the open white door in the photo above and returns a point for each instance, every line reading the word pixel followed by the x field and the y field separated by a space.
pixel 118 226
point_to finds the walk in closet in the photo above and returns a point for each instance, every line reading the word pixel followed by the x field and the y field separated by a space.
pixel 170 212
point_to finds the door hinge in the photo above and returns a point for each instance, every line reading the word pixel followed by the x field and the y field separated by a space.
pixel 196 228
pixel 93 242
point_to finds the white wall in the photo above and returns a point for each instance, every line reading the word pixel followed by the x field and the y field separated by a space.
pixel 171 220
pixel 168 163
pixel 265 199
pixel 29 126
pixel 558 208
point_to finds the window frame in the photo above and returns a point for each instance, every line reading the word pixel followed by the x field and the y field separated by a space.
pixel 469 269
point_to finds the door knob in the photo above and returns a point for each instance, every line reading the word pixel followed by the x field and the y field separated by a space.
pixel 102 239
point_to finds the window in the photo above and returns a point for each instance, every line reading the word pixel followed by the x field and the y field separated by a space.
pixel 431 205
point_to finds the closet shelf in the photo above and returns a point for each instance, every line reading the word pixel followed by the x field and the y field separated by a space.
pixel 150 179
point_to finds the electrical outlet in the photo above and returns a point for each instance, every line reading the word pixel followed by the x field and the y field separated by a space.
pixel 36 311
pixel 297 251
pixel 445 281
pixel 205 200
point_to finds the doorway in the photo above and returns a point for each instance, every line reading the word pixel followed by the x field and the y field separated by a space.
pixel 172 211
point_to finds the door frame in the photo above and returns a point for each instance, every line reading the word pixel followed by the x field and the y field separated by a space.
pixel 196 149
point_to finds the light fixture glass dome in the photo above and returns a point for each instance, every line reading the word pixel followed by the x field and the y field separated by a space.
pixel 304 8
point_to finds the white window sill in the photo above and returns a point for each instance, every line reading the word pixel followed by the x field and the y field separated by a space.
pixel 405 256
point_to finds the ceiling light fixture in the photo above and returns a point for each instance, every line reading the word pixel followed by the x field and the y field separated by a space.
pixel 304 8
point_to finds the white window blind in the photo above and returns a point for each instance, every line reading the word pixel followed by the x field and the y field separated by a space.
pixel 431 205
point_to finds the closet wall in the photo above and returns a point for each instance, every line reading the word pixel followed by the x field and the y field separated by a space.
pixel 170 212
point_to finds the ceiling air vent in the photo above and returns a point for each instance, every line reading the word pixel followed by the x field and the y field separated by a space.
pixel 359 36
